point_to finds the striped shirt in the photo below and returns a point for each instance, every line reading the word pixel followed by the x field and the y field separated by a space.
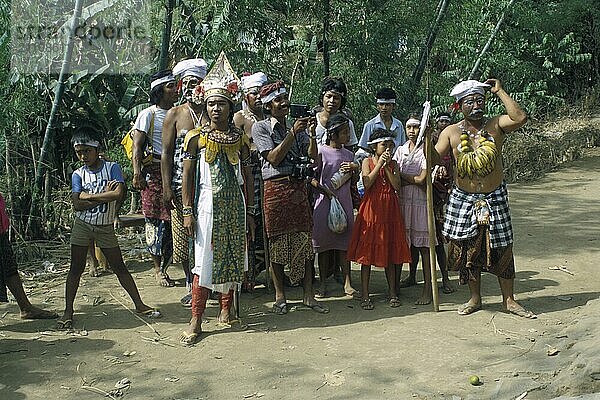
pixel 88 181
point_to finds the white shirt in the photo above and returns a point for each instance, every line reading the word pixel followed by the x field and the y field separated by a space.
pixel 144 120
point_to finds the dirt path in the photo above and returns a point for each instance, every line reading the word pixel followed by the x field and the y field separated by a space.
pixel 404 353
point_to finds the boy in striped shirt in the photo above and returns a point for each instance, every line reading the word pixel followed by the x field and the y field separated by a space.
pixel 97 187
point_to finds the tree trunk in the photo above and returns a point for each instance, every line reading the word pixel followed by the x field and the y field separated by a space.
pixel 326 15
pixel 428 45
pixel 485 49
pixel 60 88
pixel 166 36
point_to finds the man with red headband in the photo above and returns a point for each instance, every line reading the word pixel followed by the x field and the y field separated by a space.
pixel 286 153
pixel 477 219
pixel 178 121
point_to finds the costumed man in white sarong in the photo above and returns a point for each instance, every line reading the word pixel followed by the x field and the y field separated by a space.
pixel 214 207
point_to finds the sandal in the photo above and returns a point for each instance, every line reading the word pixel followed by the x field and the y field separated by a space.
pixel 394 302
pixel 65 325
pixel 367 304
pixel 151 313
pixel 188 339
pixel 280 308
pixel 521 312
pixel 186 300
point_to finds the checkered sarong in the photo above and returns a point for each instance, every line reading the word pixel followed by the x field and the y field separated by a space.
pixel 461 223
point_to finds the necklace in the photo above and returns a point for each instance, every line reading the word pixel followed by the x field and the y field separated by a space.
pixel 479 161
pixel 194 116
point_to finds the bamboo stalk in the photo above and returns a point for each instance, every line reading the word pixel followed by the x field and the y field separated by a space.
pixel 431 224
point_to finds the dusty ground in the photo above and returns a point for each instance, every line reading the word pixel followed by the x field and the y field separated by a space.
pixel 404 353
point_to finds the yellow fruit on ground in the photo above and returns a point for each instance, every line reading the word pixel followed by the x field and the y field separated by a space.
pixel 474 380
pixel 464 137
pixel 464 144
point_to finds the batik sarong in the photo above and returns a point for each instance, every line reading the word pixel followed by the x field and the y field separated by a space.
pixel 152 199
pixel 181 240
pixel 288 223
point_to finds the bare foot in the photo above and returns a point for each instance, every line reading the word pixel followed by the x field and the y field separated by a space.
pixel 407 282
pixel 164 280
pixel 321 292
pixel 447 288
pixel 423 300
pixel 469 308
pixel 224 316
pixel 350 291
pixel 37 313
pixel 65 322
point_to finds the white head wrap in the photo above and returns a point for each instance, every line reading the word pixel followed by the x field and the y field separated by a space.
pixel 466 88
pixel 413 122
pixel 91 143
pixel 255 80
pixel 193 67
pixel 273 94
pixel 386 101
pixel 382 139
pixel 160 81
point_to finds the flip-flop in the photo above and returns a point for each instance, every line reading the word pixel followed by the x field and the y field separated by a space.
pixel 186 300
pixel 447 289
pixel 468 308
pixel 355 295
pixel 394 302
pixel 280 308
pixel 521 312
pixel 151 313
pixel 188 339
pixel 367 304
pixel 317 308
pixel 65 325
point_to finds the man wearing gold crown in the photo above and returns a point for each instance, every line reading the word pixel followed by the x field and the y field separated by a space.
pixel 477 219
pixel 178 122
pixel 214 207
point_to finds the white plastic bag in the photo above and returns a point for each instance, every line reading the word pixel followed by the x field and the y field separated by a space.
pixel 337 220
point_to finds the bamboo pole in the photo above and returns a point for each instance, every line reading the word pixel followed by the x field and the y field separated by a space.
pixel 431 224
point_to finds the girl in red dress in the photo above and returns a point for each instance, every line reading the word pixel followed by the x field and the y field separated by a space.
pixel 379 236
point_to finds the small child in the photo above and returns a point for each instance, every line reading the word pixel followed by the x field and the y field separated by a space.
pixel 97 187
pixel 378 237
pixel 334 161
pixel 412 167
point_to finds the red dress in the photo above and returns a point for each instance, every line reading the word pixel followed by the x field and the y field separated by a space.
pixel 379 236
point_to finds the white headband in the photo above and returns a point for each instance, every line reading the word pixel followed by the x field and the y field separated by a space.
pixel 413 122
pixel 91 143
pixel 159 81
pixel 383 139
pixel 386 101
pixel 443 118
pixel 273 94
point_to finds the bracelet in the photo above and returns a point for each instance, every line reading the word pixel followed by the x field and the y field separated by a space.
pixel 187 211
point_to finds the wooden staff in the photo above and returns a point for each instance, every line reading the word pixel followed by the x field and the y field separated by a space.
pixel 431 223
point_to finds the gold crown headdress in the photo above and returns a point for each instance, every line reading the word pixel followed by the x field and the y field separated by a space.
pixel 221 80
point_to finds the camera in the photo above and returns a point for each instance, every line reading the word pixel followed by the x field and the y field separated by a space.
pixel 301 111
pixel 303 168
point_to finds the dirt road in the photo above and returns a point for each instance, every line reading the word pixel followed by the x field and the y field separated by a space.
pixel 403 353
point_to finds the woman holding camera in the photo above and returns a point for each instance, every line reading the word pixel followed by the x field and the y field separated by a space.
pixel 284 153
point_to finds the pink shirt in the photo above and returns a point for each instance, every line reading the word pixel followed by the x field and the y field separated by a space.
pixel 4 221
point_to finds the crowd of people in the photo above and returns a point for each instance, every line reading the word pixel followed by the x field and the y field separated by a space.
pixel 273 185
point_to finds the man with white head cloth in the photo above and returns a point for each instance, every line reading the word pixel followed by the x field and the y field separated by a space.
pixel 477 221
pixel 178 122
pixel 251 112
